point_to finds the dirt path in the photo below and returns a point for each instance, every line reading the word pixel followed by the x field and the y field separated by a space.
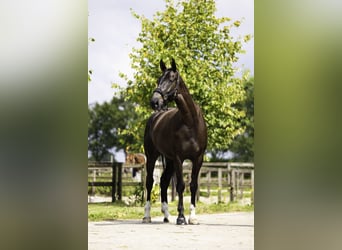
pixel 217 231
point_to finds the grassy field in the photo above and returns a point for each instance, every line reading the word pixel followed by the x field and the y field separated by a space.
pixel 119 210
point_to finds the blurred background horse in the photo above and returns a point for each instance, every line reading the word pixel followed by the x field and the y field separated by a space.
pixel 135 159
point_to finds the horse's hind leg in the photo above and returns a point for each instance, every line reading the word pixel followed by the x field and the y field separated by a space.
pixel 164 184
pixel 151 159
pixel 193 188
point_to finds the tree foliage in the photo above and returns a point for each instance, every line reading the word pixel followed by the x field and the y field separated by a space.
pixel 105 123
pixel 205 53
pixel 243 145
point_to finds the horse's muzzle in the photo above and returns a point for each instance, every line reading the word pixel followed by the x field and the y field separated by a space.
pixel 157 101
pixel 154 104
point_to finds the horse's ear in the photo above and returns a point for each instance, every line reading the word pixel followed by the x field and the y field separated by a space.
pixel 173 65
pixel 162 65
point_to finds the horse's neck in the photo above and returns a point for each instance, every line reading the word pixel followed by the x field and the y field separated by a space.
pixel 186 105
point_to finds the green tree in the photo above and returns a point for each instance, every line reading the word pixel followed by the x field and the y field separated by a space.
pixel 243 145
pixel 205 54
pixel 105 123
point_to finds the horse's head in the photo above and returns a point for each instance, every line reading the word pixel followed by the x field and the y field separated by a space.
pixel 167 86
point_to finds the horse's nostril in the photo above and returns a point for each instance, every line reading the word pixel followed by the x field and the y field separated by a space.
pixel 154 104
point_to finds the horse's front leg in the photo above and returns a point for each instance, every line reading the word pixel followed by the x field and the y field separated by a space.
pixel 180 189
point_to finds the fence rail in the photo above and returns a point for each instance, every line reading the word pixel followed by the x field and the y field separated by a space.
pixel 232 177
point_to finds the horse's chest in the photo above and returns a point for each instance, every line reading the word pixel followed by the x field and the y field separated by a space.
pixel 180 141
pixel 170 136
pixel 187 140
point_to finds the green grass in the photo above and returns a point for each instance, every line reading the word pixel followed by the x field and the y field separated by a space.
pixel 119 210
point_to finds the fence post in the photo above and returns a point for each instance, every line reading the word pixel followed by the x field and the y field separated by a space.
pixel 219 184
pixel 208 181
pixel 237 181
pixel 119 180
pixel 94 180
pixel 232 185
pixel 241 180
pixel 229 174
pixel 113 181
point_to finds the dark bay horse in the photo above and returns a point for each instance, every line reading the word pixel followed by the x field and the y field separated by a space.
pixel 176 134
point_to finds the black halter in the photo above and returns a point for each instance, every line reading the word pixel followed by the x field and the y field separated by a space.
pixel 172 93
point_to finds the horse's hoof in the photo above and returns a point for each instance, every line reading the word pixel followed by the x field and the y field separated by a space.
pixel 146 220
pixel 166 220
pixel 193 221
pixel 181 221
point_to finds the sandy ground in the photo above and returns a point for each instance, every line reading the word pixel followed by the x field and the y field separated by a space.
pixel 233 231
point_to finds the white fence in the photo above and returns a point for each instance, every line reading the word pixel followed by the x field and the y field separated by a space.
pixel 215 177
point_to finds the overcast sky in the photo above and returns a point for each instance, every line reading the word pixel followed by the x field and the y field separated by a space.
pixel 115 30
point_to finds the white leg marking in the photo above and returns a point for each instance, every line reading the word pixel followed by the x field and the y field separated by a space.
pixel 192 219
pixel 147 209
pixel 147 217
pixel 165 210
pixel 192 211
